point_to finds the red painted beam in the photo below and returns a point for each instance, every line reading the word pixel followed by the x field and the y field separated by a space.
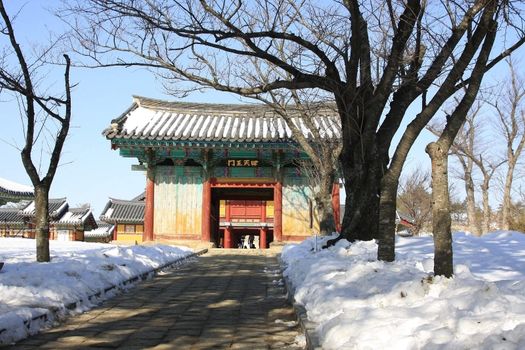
pixel 206 211
pixel 278 211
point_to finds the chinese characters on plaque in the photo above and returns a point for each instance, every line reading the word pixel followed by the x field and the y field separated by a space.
pixel 243 162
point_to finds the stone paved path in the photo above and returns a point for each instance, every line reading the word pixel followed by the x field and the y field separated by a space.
pixel 226 299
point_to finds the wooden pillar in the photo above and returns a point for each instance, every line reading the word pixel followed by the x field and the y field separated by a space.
pixel 263 232
pixel 206 211
pixel 149 207
pixel 336 205
pixel 228 237
pixel 228 229
pixel 262 238
pixel 278 211
pixel 115 232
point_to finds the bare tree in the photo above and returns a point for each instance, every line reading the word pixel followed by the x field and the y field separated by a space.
pixel 471 153
pixel 41 113
pixel 464 143
pixel 321 185
pixel 414 198
pixel 510 110
pixel 374 59
pixel 322 147
pixel 439 150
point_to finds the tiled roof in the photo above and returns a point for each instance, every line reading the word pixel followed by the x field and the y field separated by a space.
pixel 149 119
pixel 77 217
pixel 13 190
pixel 13 187
pixel 57 207
pixel 60 215
pixel 123 211
pixel 141 197
pixel 103 230
pixel 11 216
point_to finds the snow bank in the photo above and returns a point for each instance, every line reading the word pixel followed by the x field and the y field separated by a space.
pixel 361 303
pixel 77 271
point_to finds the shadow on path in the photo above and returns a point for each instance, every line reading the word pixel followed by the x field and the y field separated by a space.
pixel 227 299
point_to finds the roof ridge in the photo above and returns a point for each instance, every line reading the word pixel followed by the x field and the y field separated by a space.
pixel 240 108
pixel 125 201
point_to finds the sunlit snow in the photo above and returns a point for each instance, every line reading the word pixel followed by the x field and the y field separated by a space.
pixel 77 271
pixel 361 303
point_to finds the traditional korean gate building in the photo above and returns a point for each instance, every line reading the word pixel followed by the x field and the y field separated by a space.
pixel 216 172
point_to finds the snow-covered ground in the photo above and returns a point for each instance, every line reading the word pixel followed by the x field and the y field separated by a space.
pixel 361 303
pixel 77 271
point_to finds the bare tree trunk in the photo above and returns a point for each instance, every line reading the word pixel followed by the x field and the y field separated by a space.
pixel 361 218
pixel 512 124
pixel 506 203
pixel 326 215
pixel 443 256
pixel 323 203
pixel 387 217
pixel 471 204
pixel 486 206
pixel 42 223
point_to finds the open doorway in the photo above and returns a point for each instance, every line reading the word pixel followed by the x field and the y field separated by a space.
pixel 242 217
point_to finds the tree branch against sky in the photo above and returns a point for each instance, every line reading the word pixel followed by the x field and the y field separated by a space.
pixel 374 59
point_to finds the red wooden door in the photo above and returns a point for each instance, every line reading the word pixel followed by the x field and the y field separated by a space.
pixel 246 209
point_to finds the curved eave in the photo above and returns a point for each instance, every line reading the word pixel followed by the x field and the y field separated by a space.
pixel 7 192
pixel 13 223
pixel 123 142
pixel 122 220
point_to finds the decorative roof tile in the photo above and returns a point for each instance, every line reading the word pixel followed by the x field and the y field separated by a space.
pixel 123 211
pixel 149 119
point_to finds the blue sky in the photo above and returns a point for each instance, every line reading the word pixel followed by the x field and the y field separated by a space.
pixel 90 171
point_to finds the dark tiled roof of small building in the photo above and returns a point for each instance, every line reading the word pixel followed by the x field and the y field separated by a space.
pixel 11 216
pixel 57 208
pixel 123 211
pixel 149 119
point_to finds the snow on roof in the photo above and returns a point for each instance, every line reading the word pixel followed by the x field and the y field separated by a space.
pixel 15 188
pixel 102 231
pixel 76 216
pixel 149 119
pixel 56 207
